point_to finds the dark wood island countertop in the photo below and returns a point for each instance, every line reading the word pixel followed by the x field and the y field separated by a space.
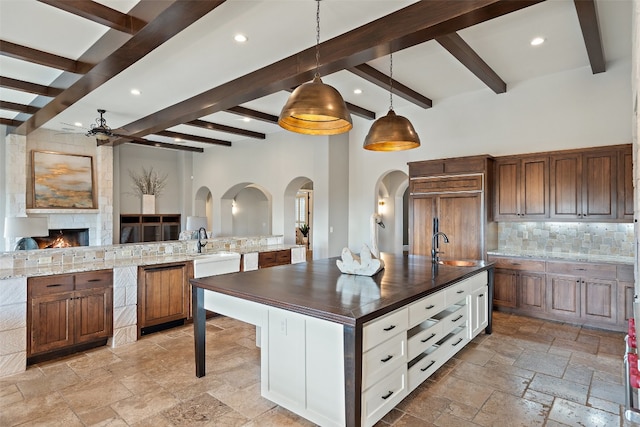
pixel 320 290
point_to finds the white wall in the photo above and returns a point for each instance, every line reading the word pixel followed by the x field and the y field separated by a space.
pixel 3 131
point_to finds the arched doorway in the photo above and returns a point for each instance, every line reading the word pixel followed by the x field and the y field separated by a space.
pixel 245 210
pixel 298 211
pixel 391 198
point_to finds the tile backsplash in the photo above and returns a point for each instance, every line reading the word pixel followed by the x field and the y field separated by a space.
pixel 567 237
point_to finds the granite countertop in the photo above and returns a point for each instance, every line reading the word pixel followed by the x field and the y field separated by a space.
pixel 51 269
pixel 560 256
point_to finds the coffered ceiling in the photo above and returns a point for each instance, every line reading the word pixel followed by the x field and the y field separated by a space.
pixel 62 60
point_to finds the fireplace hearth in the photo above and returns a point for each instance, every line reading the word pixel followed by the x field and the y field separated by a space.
pixel 64 238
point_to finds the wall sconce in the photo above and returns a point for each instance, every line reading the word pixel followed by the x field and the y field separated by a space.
pixel 234 207
pixel 381 207
pixel 26 228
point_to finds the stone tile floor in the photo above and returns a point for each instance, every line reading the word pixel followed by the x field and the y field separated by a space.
pixel 527 373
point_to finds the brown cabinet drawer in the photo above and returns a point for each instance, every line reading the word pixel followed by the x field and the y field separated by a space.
pixel 94 279
pixel 582 269
pixel 283 257
pixel 50 284
pixel 625 272
pixel 449 184
pixel 518 263
pixel 266 259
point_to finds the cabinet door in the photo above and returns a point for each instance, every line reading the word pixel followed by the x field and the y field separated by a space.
pixel 421 214
pixel 479 311
pixel 566 186
pixel 563 296
pixel 534 188
pixel 507 191
pixel 625 184
pixel 598 300
pixel 93 310
pixel 599 191
pixel 504 288
pixel 626 292
pixel 163 295
pixel 51 326
pixel 460 217
pixel 531 291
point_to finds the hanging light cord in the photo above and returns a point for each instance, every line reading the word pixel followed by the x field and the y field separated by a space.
pixel 391 81
pixel 318 39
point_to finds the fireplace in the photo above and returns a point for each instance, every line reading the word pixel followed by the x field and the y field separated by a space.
pixel 64 238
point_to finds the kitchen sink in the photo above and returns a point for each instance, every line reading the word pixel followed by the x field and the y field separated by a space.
pixel 215 263
pixel 460 262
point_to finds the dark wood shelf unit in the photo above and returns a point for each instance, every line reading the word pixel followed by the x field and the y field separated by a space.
pixel 135 228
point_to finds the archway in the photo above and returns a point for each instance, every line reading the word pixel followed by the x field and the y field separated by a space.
pixel 390 203
pixel 298 209
pixel 203 205
pixel 245 210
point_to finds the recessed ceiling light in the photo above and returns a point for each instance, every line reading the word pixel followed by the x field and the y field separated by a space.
pixel 246 119
pixel 537 41
pixel 177 140
pixel 78 124
pixel 357 91
pixel 135 91
pixel 240 38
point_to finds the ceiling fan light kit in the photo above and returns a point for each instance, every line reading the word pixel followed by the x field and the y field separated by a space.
pixel 100 130
pixel 391 132
pixel 315 108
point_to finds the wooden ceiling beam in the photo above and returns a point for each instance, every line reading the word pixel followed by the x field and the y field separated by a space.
pixel 28 87
pixel 410 26
pixel 374 76
pixel 10 122
pixel 588 17
pixel 196 138
pixel 253 114
pixel 99 13
pixel 223 128
pixel 35 56
pixel 164 145
pixel 175 18
pixel 14 106
pixel 470 59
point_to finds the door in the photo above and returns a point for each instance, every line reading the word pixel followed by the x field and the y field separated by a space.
pixel 93 314
pixel 598 300
pixel 531 287
pixel 479 311
pixel 504 288
pixel 563 295
pixel 460 217
pixel 599 191
pixel 507 190
pixel 51 322
pixel 163 295
pixel 421 216
pixel 566 186
pixel 534 191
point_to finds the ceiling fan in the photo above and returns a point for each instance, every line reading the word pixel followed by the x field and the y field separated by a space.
pixel 100 130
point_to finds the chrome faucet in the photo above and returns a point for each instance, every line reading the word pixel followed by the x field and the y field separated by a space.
pixel 200 244
pixel 435 246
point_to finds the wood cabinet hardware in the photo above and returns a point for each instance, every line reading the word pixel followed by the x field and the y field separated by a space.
pixel 54 285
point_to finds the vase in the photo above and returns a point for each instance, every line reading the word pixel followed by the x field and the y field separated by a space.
pixel 148 204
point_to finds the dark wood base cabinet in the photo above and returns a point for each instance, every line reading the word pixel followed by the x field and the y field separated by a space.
pixel 68 311
pixel 589 294
pixel 163 294
pixel 274 258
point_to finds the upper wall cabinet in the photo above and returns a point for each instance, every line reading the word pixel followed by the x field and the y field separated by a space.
pixel 584 185
pixel 522 188
pixel 625 184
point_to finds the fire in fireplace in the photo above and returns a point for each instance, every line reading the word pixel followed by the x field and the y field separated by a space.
pixel 64 238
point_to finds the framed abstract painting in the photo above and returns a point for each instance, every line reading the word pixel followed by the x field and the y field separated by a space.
pixel 62 181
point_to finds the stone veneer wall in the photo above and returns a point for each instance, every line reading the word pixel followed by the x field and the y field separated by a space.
pixel 568 237
pixel 99 221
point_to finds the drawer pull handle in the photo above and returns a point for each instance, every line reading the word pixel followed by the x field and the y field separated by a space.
pixel 460 291
pixel 386 359
pixel 457 318
pixel 581 269
pixel 457 342
pixel 389 328
pixel 388 395
pixel 428 338
pixel 429 307
pixel 480 296
pixel 428 366
pixel 54 285
pixel 515 263
pixel 93 280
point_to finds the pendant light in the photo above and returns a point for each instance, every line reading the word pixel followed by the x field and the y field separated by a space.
pixel 315 108
pixel 391 132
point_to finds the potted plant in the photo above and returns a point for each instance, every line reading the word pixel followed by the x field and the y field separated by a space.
pixel 304 229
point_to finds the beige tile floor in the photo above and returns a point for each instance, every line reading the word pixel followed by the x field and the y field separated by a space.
pixel 527 373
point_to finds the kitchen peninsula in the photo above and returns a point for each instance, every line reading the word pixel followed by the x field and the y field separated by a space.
pixel 340 349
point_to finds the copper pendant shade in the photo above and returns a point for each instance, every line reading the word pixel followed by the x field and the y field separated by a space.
pixel 315 108
pixel 391 133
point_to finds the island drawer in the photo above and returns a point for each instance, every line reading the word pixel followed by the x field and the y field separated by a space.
pixel 383 359
pixel 456 293
pixel 424 365
pixel 454 341
pixel 383 328
pixel 94 279
pixel 451 318
pixel 423 309
pixel 423 336
pixel 383 396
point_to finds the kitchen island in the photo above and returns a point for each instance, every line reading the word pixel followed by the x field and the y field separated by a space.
pixel 340 349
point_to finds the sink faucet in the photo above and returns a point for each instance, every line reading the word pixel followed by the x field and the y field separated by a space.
pixel 200 244
pixel 435 246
